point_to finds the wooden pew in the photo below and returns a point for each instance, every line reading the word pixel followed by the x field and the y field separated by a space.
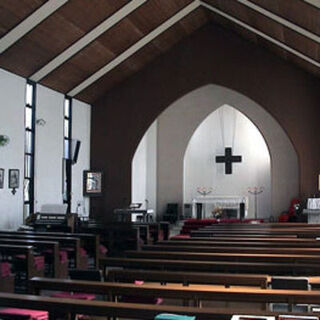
pixel 187 278
pixel 252 243
pixel 58 269
pixel 6 277
pixel 250 235
pixel 245 238
pixel 123 310
pixel 212 266
pixel 90 242
pixel 278 232
pixel 195 293
pixel 27 251
pixel 239 249
pixel 64 242
pixel 116 237
pixel 219 256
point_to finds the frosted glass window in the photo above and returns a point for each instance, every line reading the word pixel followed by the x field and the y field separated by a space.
pixel 66 129
pixel 28 142
pixel 28 118
pixel 26 209
pixel 27 166
pixel 27 190
pixel 66 148
pixel 29 95
pixel 67 108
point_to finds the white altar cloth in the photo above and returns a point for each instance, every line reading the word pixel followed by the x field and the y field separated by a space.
pixel 224 202
pixel 313 204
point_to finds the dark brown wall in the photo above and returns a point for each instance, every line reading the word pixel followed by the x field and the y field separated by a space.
pixel 211 55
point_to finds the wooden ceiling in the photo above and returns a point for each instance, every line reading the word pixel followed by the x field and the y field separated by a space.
pixel 69 52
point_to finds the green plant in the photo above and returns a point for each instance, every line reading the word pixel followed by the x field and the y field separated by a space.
pixel 4 140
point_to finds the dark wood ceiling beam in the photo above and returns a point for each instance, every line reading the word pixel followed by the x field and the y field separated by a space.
pixel 30 23
pixel 87 39
pixel 11 14
pixel 147 54
pixel 270 26
pixel 286 23
pixel 134 48
pixel 109 45
pixel 299 12
pixel 261 34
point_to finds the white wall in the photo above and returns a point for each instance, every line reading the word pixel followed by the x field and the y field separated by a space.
pixel 81 120
pixel 49 147
pixel 144 165
pixel 238 132
pixel 12 103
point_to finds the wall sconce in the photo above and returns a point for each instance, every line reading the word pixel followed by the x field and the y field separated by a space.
pixel 41 122
pixel 4 140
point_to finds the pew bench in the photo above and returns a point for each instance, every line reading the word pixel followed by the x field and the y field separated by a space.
pixel 187 278
pixel 235 243
pixel 212 266
pixel 205 256
pixel 50 250
pixel 69 244
pixel 89 242
pixel 23 261
pixel 238 249
pixel 194 293
pixel 56 307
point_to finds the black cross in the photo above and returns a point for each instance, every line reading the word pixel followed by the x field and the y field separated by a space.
pixel 228 159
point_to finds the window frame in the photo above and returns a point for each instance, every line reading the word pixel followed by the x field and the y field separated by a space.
pixel 30 153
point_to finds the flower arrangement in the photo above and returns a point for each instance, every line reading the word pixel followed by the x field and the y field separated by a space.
pixel 4 140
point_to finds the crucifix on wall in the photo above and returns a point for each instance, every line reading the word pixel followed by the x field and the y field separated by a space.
pixel 228 159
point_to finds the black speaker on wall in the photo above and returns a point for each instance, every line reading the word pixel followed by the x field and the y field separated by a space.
pixel 242 210
pixel 75 148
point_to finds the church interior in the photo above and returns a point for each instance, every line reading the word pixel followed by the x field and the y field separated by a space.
pixel 159 159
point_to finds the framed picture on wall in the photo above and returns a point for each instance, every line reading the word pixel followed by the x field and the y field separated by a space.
pixel 1 178
pixel 14 178
pixel 92 183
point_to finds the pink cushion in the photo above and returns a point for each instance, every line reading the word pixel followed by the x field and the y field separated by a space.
pixel 103 250
pixel 39 262
pixel 138 282
pixel 63 256
pixel 5 269
pixel 34 314
pixel 181 236
pixel 76 295
pixel 83 252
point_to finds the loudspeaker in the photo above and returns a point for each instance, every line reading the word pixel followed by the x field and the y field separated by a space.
pixel 75 148
pixel 242 210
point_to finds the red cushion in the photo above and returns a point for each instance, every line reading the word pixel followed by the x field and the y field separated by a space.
pixel 34 314
pixel 63 256
pixel 103 250
pixel 5 269
pixel 39 262
pixel 83 252
pixel 76 295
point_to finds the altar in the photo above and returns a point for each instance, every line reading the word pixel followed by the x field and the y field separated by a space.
pixel 203 206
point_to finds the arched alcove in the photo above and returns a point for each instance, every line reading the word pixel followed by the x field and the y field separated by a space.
pixel 179 121
pixel 176 125
pixel 228 127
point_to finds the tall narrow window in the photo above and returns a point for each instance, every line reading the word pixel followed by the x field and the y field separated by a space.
pixel 29 148
pixel 67 161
